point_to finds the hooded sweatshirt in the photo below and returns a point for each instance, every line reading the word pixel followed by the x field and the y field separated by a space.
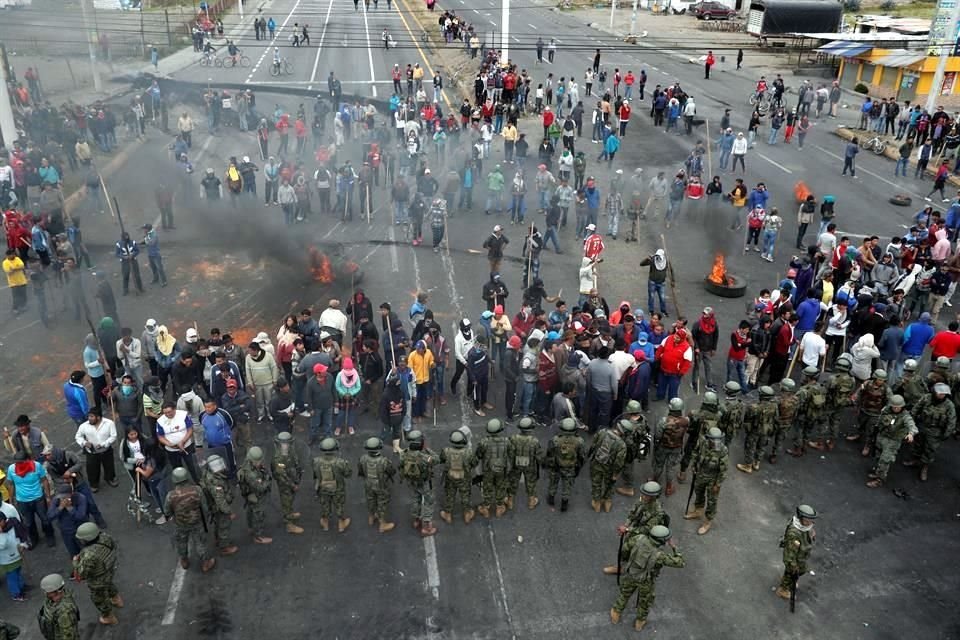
pixel 863 353
pixel 463 341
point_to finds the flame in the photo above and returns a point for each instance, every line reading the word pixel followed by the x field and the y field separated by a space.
pixel 718 274
pixel 320 266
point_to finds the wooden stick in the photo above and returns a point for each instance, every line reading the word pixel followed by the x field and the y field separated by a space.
pixel 367 187
pixel 793 360
pixel 706 123
pixel 138 494
pixel 106 194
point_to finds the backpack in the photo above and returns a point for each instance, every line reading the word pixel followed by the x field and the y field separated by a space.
pixel 604 450
pixel 497 455
pixel 673 430
pixel 521 459
pixel 455 467
pixel 411 466
pixel 819 399
pixel 188 502
pixel 371 471
pixel 327 483
pixel 46 618
pixel 843 386
pixel 567 452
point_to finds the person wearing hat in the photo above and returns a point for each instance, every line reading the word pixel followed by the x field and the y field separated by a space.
pixel 378 474
pixel 496 466
pixel 937 416
pixel 458 462
pixel 211 187
pixel 593 244
pixel 495 244
pixel 238 403
pixel 641 571
pixel 65 467
pixel 96 564
pixel 261 377
pixel 910 384
pixel 797 544
pixel 896 425
pixel 26 438
pixel 59 617
pixel 811 409
pixel 870 398
pixel 186 505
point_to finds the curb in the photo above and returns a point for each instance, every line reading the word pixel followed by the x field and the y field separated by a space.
pixel 892 152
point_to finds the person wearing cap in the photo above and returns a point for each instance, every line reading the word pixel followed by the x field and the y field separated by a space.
pixel 495 244
pixel 152 242
pixel 68 509
pixel 261 376
pixel 422 364
pixel 130 354
pixel 347 386
pixel 495 292
pixel 65 467
pixel 238 403
pixel 937 416
pixel 318 400
pixel 27 438
pixel 593 244
pixel 211 187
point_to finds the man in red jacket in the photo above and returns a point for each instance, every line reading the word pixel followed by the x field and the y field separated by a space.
pixel 676 357
pixel 779 352
pixel 548 118
pixel 624 117
pixel 708 63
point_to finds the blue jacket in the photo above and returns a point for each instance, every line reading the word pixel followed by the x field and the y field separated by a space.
pixel 77 402
pixel 726 142
pixel 612 145
pixel 38 239
pixel 953 216
pixel 217 427
pixel 758 198
pixel 638 381
pixel 890 342
pixel 593 198
pixel 916 337
pixel 807 313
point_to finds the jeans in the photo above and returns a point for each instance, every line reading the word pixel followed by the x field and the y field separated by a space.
pixel 769 240
pixel 598 413
pixel 156 266
pixel 628 91
pixel 668 386
pixel 525 399
pixel 38 508
pixel 597 131
pixel 737 372
pixel 655 287
pixel 321 418
pixel 437 380
pixel 15 582
pixel 724 158
pixel 773 136
pixel 494 198
pixel 551 234
pixel 901 168
pixel 544 200
pixel 673 209
pixel 400 211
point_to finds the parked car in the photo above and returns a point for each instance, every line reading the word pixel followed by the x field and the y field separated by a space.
pixel 712 11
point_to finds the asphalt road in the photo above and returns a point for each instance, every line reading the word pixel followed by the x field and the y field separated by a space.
pixel 879 561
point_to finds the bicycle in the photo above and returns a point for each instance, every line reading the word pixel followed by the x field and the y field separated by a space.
pixel 210 60
pixel 283 66
pixel 760 101
pixel 875 144
pixel 238 60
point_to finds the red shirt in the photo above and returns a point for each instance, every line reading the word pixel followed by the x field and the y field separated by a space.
pixel 738 347
pixel 593 246
pixel 945 343
pixel 710 60
pixel 509 81
pixel 548 118
pixel 783 340
pixel 629 78
pixel 625 112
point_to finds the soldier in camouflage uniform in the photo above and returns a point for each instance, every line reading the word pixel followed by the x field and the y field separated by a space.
pixel 496 467
pixel 330 473
pixel 96 564
pixel 707 416
pixel 731 414
pixel 645 514
pixel 940 372
pixel 786 414
pixel 668 449
pixel 565 457
pixel 416 467
pixel 910 385
pixel 643 567
pixel 459 463
pixel 811 406
pixel 525 454
pixel 797 542
pixel 710 470
pixel 287 471
pixel 872 395
pixel 219 494
pixel 759 421
pixel 377 473
pixel 59 617
pixel 636 440
pixel 607 454
pixel 840 388
pixel 187 506
pixel 254 481
pixel 895 426
pixel 937 417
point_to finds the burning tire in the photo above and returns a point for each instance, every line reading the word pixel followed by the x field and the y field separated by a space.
pixel 735 287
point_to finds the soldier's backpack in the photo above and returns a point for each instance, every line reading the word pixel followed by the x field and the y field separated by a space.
pixel 567 452
pixel 455 470
pixel 187 504
pixel 497 455
pixel 787 409
pixel 768 417
pixel 730 416
pixel 843 385
pixel 327 483
pixel 371 472
pixel 411 466
pixel 818 397
pixel 604 449
pixel 673 431
pixel 521 458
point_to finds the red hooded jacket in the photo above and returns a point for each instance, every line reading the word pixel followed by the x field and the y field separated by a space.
pixel 675 354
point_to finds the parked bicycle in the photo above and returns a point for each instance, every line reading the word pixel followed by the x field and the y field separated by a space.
pixel 875 144
pixel 283 66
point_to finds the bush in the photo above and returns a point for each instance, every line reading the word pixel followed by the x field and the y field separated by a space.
pixel 888 5
pixel 853 5
pixel 861 88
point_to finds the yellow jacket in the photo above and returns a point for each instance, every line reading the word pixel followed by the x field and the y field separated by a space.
pixel 421 365
pixel 510 133
pixel 16 276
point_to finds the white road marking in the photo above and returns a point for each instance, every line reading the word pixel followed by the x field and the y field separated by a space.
pixel 465 405
pixel 316 61
pixel 332 229
pixel 266 50
pixel 503 590
pixel 26 326
pixel 515 38
pixel 170 612
pixel 433 572
pixel 774 163
pixel 373 75
pixel 308 82
pixel 476 12
pixel 493 23
pixel 532 26
pixel 416 270
pixel 394 261
pixel 871 173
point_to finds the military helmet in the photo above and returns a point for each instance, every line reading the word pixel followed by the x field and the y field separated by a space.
pixel 660 533
pixel 524 424
pixel 633 407
pixel 766 391
pixel 910 364
pixel 897 401
pixel 807 512
pixel 494 426
pixel 255 454
pixel 676 405
pixel 457 439
pixel 941 387
pixel 811 372
pixel 843 363
pixel 52 583
pixel 414 436
pixel 87 532
pixel 627 426
pixel 568 425
pixel 284 437
pixel 651 488
pixel 216 464
pixel 943 362
pixel 710 399
pixel 879 374
pixel 713 433
pixel 180 474
pixel 731 388
pixel 373 444
pixel 788 384
pixel 329 444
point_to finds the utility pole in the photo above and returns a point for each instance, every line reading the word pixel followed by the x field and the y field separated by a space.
pixel 613 10
pixel 942 36
pixel 633 19
pixel 505 30
pixel 240 5
pixel 8 128
pixel 91 45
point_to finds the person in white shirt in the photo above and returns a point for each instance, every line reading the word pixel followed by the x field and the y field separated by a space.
pixel 130 353
pixel 334 321
pixel 588 279
pixel 813 346
pixel 175 433
pixel 96 437
pixel 837 322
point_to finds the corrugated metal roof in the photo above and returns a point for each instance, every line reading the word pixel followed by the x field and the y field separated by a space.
pixel 845 49
pixel 901 58
pixel 887 36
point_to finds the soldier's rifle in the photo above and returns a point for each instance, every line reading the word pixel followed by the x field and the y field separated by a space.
pixel 620 554
pixel 693 484
pixel 793 591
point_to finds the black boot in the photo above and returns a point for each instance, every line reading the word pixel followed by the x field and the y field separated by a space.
pixel 550 499
pixel 563 505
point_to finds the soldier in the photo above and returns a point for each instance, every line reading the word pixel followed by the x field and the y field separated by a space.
pixel 254 481
pixel 937 417
pixel 811 403
pixel 330 473
pixel 911 386
pixel 459 462
pixel 287 471
pixel 872 395
pixel 97 563
pixel 895 426
pixel 786 413
pixel 840 388
pixel 565 456
pixel 797 542
pixel 643 567
pixel 607 454
pixel 759 421
pixel 59 617
pixel 940 372
pixel 377 473
pixel 416 467
pixel 496 468
pixel 710 470
pixel 219 494
pixel 636 439
pixel 731 414
pixel 669 443
pixel 645 514
pixel 701 421
pixel 185 504
pixel 525 455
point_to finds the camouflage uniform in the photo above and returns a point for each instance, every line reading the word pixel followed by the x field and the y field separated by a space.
pixel 377 473
pixel 811 406
pixel 700 422
pixel 96 564
pixel 787 408
pixel 873 395
pixel 759 422
pixel 330 473
pixel 797 546
pixel 219 494
pixel 60 620
pixel 839 388
pixel 497 467
pixel 893 429
pixel 912 387
pixel 254 481
pixel 644 516
pixel 731 417
pixel 636 441
pixel 669 448
pixel 937 422
pixel 607 454
pixel 416 467
pixel 565 457
pixel 287 471
pixel 710 466
pixel 187 506
pixel 457 477
pixel 643 567
pixel 525 453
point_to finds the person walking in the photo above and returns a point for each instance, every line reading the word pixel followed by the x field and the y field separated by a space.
pixel 849 155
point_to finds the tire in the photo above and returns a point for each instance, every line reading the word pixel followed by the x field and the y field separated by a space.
pixel 866 144
pixel 244 61
pixel 218 63
pixel 879 148
pixel 288 68
pixel 229 63
pixel 706 16
pixel 901 200
pixel 274 70
pixel 204 62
